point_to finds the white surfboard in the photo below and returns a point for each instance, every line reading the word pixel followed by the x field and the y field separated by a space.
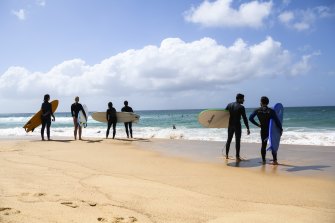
pixel 214 118
pixel 82 121
pixel 121 117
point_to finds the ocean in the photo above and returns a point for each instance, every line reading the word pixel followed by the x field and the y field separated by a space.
pixel 302 126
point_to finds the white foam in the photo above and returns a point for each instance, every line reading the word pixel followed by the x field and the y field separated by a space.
pixel 296 136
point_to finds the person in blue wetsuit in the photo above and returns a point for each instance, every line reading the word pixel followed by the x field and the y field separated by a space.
pixel 76 107
pixel 111 119
pixel 127 125
pixel 264 114
pixel 236 111
pixel 46 116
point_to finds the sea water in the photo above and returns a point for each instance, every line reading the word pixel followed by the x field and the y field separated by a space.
pixel 302 125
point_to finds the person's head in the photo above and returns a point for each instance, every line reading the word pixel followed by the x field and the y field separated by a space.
pixel 240 98
pixel 46 97
pixel 264 101
pixel 125 103
pixel 110 104
pixel 76 99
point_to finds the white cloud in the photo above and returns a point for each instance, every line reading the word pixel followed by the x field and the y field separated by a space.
pixel 220 13
pixel 20 14
pixel 174 66
pixel 286 17
pixel 303 65
pixel 301 20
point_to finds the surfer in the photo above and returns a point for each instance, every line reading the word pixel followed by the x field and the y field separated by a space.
pixel 126 108
pixel 46 116
pixel 264 114
pixel 76 107
pixel 111 119
pixel 236 110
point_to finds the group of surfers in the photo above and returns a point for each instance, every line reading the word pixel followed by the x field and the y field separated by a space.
pixel 48 116
pixel 236 110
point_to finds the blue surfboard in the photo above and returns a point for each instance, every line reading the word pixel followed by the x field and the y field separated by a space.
pixel 274 130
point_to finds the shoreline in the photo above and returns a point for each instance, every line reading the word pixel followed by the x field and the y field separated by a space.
pixel 99 180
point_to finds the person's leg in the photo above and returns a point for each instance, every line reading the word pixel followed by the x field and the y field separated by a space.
pixel 79 128
pixel 238 133
pixel 230 137
pixel 108 128
pixel 48 128
pixel 264 137
pixel 75 123
pixel 42 129
pixel 114 129
pixel 274 155
pixel 131 129
pixel 126 126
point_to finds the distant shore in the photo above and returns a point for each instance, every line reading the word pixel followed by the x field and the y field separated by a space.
pixel 146 180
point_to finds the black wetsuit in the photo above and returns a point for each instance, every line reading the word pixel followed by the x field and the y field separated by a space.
pixel 264 115
pixel 128 124
pixel 46 118
pixel 111 119
pixel 75 109
pixel 236 111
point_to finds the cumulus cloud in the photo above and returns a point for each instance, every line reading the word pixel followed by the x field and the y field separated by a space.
pixel 20 14
pixel 302 20
pixel 173 66
pixel 220 13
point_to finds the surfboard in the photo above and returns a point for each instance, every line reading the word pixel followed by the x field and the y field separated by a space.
pixel 82 121
pixel 121 117
pixel 214 118
pixel 274 131
pixel 36 119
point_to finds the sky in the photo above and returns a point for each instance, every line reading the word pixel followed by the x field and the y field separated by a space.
pixel 166 54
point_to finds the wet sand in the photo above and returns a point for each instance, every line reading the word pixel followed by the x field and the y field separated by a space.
pixel 143 180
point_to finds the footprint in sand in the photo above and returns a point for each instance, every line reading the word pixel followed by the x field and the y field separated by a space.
pixel 9 211
pixel 69 204
pixel 118 220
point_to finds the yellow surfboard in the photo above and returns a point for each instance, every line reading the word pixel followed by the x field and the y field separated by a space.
pixel 36 120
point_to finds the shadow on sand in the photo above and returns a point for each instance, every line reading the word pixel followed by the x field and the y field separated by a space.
pixel 133 140
pixel 256 162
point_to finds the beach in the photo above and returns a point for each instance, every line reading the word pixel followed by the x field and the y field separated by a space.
pixel 154 180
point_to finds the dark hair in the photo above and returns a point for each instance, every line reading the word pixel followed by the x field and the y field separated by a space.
pixel 46 97
pixel 239 96
pixel 125 103
pixel 110 104
pixel 265 100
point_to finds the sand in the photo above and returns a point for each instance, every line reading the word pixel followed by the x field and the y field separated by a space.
pixel 123 180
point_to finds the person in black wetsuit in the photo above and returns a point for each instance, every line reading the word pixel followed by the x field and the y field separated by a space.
pixel 236 110
pixel 76 107
pixel 111 119
pixel 46 116
pixel 264 114
pixel 126 108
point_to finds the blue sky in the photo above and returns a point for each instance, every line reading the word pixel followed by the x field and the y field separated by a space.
pixel 167 54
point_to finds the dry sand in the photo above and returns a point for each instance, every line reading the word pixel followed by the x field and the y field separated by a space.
pixel 118 181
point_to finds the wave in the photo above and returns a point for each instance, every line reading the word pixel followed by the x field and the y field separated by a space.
pixel 293 137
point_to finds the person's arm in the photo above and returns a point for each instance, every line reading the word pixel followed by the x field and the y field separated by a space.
pixel 72 111
pixel 52 114
pixel 252 118
pixel 245 120
pixel 107 115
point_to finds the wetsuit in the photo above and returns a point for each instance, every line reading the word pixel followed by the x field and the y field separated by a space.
pixel 236 110
pixel 111 119
pixel 75 109
pixel 46 118
pixel 128 124
pixel 264 114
